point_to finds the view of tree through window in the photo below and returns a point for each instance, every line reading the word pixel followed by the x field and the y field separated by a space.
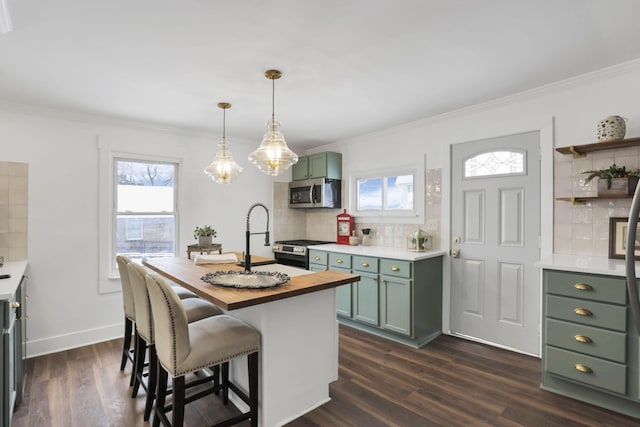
pixel 145 208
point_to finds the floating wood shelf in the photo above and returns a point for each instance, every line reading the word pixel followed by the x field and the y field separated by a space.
pixel 583 200
pixel 582 150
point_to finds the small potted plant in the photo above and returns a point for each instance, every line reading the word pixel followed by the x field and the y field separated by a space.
pixel 614 180
pixel 204 234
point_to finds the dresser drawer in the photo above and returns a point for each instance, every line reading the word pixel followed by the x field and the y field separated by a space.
pixel 318 257
pixel 588 286
pixel 598 372
pixel 394 267
pixel 586 339
pixel 587 312
pixel 339 260
pixel 365 264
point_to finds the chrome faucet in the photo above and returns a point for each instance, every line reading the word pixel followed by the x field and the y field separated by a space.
pixel 247 254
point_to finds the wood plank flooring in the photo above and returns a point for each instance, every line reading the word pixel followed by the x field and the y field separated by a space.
pixel 450 382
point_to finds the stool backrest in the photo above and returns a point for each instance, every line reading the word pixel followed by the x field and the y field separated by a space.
pixel 170 326
pixel 127 295
pixel 142 305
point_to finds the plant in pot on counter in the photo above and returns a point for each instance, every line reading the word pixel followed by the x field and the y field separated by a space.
pixel 204 235
pixel 610 173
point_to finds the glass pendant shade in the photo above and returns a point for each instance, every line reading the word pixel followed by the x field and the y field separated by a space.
pixel 273 156
pixel 223 169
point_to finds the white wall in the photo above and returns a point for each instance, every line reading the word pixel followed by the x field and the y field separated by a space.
pixel 65 309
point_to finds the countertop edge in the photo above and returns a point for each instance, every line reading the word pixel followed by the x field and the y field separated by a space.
pixel 586 264
pixel 8 286
pixel 378 251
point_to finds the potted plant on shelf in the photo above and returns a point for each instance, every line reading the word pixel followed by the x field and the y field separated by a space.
pixel 614 181
pixel 204 234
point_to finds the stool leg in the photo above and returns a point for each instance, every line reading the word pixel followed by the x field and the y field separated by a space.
pixel 252 360
pixel 135 355
pixel 160 395
pixel 153 379
pixel 178 402
pixel 216 379
pixel 141 352
pixel 225 382
pixel 128 326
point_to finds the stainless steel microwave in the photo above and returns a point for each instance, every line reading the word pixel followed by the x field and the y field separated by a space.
pixel 315 193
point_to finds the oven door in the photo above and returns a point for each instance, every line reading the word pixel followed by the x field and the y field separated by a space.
pixel 300 261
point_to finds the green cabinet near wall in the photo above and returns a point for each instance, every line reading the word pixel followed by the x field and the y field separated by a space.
pixel 321 165
pixel 396 299
pixel 590 348
pixel 11 373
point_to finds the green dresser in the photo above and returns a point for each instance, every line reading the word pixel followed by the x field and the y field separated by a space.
pixel 589 344
pixel 397 299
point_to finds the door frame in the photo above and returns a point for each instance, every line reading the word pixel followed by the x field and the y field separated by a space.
pixel 546 129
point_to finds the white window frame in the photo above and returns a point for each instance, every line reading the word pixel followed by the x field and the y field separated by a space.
pixel 404 216
pixel 109 278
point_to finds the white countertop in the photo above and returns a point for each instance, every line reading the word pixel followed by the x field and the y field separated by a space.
pixel 378 251
pixel 8 286
pixel 587 264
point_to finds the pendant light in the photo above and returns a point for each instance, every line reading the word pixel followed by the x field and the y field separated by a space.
pixel 273 157
pixel 223 169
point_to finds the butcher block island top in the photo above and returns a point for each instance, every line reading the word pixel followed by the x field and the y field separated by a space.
pixel 187 274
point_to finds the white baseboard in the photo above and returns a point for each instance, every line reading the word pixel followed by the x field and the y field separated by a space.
pixel 77 339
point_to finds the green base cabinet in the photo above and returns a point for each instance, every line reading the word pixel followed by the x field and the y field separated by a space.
pixel 590 348
pixel 396 299
pixel 321 165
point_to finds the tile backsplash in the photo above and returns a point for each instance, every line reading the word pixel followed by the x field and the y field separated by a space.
pixel 584 229
pixel 13 210
pixel 320 224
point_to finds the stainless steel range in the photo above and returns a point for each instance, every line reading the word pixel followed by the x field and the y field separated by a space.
pixel 294 252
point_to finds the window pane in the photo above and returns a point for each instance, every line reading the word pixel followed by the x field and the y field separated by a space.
pixel 134 228
pixel 370 194
pixel 399 192
pixel 494 163
pixel 157 237
pixel 144 187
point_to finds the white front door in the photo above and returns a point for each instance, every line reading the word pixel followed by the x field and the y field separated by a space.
pixel 495 229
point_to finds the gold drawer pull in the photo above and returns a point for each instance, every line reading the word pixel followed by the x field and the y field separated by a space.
pixel 339 261
pixel 583 287
pixel 365 264
pixel 584 368
pixel 317 258
pixel 395 268
pixel 582 312
pixel 583 339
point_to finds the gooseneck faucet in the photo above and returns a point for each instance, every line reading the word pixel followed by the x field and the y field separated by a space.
pixel 247 254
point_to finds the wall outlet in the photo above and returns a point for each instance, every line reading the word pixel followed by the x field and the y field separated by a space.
pixel 432 225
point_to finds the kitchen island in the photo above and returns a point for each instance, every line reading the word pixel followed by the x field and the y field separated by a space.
pixel 298 328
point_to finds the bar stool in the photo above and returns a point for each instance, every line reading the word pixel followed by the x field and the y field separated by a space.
pixel 195 308
pixel 184 347
pixel 130 315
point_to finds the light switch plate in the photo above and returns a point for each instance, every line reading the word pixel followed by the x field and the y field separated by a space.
pixel 432 225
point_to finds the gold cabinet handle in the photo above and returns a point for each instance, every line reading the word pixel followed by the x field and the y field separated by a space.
pixel 365 264
pixel 583 339
pixel 584 368
pixel 582 312
pixel 339 261
pixel 395 268
pixel 317 258
pixel 15 304
pixel 583 287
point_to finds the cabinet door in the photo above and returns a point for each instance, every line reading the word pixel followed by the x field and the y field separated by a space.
pixel 300 170
pixel 344 297
pixel 366 296
pixel 395 305
pixel 318 165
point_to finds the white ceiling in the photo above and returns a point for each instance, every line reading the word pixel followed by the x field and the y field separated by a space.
pixel 349 67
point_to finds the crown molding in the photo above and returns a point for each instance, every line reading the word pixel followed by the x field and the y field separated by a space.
pixel 5 18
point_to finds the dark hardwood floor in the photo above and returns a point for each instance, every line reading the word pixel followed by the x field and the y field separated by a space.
pixel 450 382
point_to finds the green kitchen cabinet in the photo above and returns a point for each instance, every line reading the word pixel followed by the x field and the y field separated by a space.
pixel 366 299
pixel 11 373
pixel 590 348
pixel 344 293
pixel 321 165
pixel 395 305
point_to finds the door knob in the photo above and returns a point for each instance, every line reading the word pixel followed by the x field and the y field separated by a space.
pixel 455 253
